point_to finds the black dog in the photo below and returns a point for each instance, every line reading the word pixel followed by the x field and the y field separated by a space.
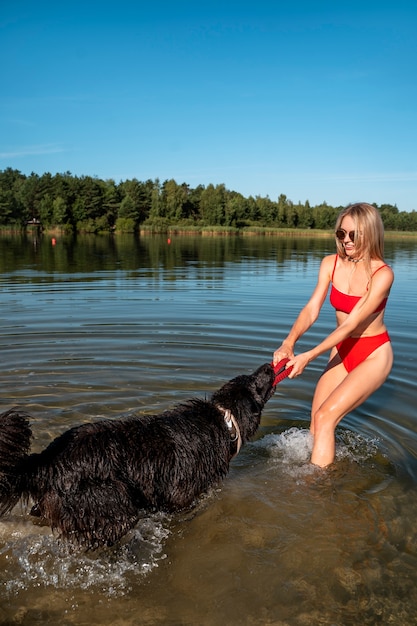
pixel 91 482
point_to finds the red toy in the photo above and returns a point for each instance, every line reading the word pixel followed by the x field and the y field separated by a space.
pixel 281 371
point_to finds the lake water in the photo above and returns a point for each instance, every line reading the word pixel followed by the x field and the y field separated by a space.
pixel 98 327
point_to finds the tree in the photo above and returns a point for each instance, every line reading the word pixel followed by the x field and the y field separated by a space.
pixel 46 210
pixel 10 206
pixel 267 210
pixel 92 192
pixel 236 212
pixel 111 202
pixel 252 209
pixel 156 207
pixel 282 210
pixel 212 205
pixel 29 196
pixel 79 211
pixel 173 200
pixel 59 211
pixel 127 208
pixel 324 216
pixel 406 221
pixel 389 215
pixel 141 196
pixel 91 204
pixel 305 215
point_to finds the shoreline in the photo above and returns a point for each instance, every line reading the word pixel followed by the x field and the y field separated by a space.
pixel 203 232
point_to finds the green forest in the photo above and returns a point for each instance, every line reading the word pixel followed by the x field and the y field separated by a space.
pixel 75 204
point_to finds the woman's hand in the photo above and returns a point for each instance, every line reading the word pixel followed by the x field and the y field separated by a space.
pixel 299 363
pixel 285 351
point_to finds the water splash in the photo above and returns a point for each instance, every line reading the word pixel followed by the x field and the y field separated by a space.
pixel 292 449
pixel 355 447
pixel 31 559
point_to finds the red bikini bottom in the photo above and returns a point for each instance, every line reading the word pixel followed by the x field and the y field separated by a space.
pixel 354 350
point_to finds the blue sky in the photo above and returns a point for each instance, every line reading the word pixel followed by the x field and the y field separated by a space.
pixel 316 100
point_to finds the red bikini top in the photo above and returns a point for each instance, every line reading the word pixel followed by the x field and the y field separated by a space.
pixel 345 302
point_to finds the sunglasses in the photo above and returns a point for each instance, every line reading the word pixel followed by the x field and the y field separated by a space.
pixel 341 234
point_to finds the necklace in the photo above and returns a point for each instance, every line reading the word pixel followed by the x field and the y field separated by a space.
pixel 354 260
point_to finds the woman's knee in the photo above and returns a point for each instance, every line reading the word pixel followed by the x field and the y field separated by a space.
pixel 322 421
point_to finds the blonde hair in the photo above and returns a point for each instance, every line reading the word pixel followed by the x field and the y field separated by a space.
pixel 369 233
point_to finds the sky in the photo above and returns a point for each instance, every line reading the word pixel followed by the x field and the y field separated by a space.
pixel 316 100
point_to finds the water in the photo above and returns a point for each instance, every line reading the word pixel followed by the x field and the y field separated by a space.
pixel 99 327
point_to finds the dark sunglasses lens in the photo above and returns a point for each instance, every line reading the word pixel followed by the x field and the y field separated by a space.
pixel 341 234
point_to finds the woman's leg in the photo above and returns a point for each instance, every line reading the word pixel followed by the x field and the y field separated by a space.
pixel 331 378
pixel 339 392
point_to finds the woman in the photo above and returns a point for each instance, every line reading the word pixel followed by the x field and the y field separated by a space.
pixel 361 354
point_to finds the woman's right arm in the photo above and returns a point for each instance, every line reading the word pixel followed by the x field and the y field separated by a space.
pixel 309 313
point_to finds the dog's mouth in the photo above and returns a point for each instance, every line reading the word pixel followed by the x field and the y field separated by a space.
pixel 264 384
pixel 275 374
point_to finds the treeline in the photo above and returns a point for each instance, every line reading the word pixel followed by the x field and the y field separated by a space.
pixel 89 204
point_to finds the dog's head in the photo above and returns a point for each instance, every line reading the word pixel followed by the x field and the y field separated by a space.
pixel 245 396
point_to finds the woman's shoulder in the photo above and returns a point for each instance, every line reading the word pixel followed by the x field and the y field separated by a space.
pixel 382 270
pixel 380 265
pixel 327 266
pixel 329 262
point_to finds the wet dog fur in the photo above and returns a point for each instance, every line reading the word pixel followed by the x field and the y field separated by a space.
pixel 93 481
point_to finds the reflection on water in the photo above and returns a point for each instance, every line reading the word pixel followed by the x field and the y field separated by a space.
pixel 96 327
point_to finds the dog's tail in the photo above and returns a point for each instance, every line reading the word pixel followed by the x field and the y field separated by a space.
pixel 15 439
